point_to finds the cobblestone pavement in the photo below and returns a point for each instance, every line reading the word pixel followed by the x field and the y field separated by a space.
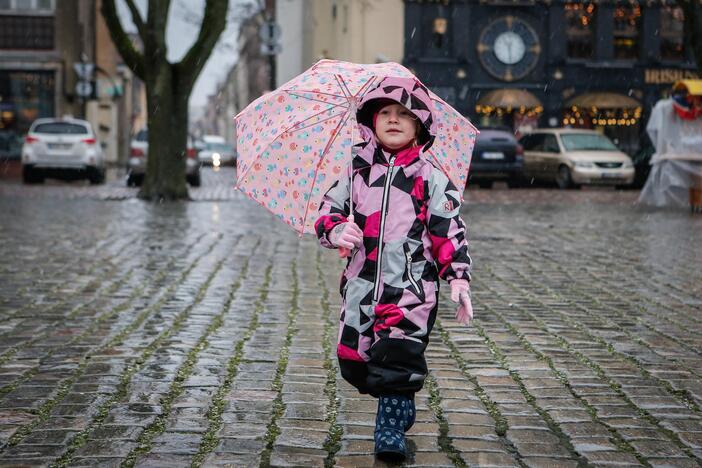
pixel 186 334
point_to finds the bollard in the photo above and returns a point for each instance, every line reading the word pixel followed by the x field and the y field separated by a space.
pixel 696 194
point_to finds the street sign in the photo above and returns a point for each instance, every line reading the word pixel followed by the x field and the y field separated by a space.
pixel 270 49
pixel 84 88
pixel 84 70
pixel 269 32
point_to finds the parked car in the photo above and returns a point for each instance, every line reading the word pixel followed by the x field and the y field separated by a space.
pixel 62 148
pixel 139 152
pixel 571 157
pixel 496 157
pixel 216 152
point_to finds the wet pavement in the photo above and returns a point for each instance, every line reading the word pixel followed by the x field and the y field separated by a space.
pixel 203 334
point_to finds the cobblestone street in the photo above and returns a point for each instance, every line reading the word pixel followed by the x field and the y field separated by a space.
pixel 203 334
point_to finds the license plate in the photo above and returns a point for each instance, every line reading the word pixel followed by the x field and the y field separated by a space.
pixel 609 175
pixel 493 155
pixel 60 145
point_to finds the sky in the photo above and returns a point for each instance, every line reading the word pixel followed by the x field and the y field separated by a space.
pixel 184 18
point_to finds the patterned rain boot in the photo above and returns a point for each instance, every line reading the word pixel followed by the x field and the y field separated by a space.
pixel 390 423
pixel 411 414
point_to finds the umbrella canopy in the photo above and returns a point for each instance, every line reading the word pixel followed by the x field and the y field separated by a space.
pixel 294 142
pixel 604 100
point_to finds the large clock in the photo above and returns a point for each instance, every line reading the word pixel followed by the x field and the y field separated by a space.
pixel 509 48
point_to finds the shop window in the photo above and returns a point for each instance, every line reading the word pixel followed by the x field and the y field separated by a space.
pixel 27 6
pixel 26 32
pixel 580 33
pixel 672 37
pixel 627 23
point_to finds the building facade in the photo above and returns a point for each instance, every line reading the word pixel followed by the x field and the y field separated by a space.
pixel 529 63
pixel 40 41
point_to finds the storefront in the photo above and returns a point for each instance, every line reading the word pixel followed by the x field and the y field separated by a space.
pixel 524 63
pixel 24 97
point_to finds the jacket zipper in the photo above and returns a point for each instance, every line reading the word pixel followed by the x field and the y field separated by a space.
pixel 383 208
pixel 408 255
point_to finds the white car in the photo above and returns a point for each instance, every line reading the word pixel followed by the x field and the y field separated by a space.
pixel 62 148
pixel 216 152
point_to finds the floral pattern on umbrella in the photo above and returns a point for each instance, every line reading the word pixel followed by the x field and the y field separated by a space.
pixel 294 142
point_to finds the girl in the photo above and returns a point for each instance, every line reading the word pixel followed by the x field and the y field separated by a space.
pixel 406 233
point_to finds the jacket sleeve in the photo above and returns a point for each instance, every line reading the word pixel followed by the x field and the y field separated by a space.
pixel 446 229
pixel 333 210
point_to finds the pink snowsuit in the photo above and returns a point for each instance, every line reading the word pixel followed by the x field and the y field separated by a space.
pixel 408 211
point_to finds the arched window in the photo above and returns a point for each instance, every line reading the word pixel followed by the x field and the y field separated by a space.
pixel 580 22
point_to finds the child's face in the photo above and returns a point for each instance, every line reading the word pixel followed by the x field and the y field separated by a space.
pixel 395 126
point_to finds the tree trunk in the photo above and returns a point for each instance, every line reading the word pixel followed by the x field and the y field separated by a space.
pixel 168 132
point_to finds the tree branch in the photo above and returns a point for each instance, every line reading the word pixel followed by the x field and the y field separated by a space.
pixel 213 24
pixel 136 19
pixel 131 56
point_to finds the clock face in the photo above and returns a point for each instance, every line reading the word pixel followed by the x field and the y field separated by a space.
pixel 509 48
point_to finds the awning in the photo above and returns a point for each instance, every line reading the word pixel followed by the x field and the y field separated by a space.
pixel 604 100
pixel 507 98
pixel 694 87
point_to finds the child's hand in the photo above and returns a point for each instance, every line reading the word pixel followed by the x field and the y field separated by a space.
pixel 347 235
pixel 460 293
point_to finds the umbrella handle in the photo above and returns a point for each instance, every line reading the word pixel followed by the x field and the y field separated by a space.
pixel 343 251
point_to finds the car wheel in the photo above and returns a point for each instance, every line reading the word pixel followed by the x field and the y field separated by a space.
pixel 134 180
pixel 514 182
pixel 194 180
pixel 486 184
pixel 563 178
pixel 31 175
pixel 96 176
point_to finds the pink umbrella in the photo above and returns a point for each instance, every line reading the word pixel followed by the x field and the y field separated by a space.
pixel 294 142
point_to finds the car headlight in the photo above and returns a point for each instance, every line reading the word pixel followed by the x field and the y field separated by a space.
pixel 628 165
pixel 583 164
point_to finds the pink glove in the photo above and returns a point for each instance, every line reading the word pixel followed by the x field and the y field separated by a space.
pixel 346 235
pixel 460 293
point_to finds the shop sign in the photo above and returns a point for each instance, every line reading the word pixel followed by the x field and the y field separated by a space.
pixel 667 75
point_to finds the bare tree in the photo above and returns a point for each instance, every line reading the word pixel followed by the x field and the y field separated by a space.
pixel 692 9
pixel 168 86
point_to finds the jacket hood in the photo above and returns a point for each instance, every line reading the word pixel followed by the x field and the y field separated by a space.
pixel 408 92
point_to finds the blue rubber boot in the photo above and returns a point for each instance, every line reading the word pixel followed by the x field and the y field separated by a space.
pixel 390 423
pixel 411 414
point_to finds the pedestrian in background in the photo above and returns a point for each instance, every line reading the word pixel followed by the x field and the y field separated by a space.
pixel 396 217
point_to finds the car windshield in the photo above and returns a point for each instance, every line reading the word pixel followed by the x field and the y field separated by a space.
pixel 586 142
pixel 142 135
pixel 61 128
pixel 220 147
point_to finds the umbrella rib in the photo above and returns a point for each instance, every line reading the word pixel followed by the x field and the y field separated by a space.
pixel 365 85
pixel 313 92
pixel 314 123
pixel 321 158
pixel 317 100
pixel 342 85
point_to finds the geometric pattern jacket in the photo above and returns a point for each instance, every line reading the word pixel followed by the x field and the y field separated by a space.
pixel 408 211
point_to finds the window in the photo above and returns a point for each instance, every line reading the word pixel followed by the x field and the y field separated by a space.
pixel 586 142
pixel 534 142
pixel 550 144
pixel 627 22
pixel 26 32
pixel 580 29
pixel 60 128
pixel 671 31
pixel 27 6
